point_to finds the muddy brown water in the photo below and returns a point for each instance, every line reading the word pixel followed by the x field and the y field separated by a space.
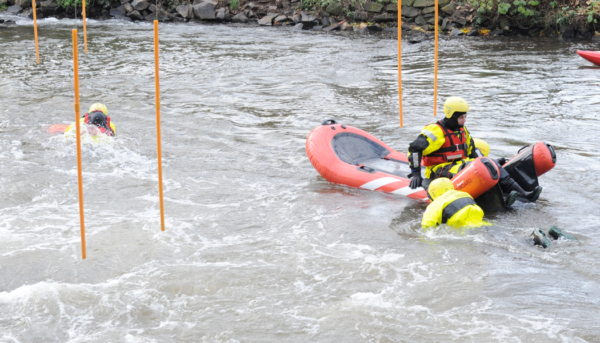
pixel 258 247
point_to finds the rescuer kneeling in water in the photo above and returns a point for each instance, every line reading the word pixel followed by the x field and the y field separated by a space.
pixel 455 208
pixel 446 147
pixel 97 116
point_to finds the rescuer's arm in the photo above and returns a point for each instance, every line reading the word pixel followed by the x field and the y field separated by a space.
pixel 473 151
pixel 415 155
pixel 432 216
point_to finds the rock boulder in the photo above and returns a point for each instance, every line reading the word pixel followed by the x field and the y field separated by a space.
pixel 423 3
pixel 449 9
pixel 268 19
pixel 456 32
pixel 334 8
pixel 410 12
pixel 14 9
pixel 240 18
pixel 306 18
pixel 428 10
pixel 23 3
pixel 420 20
pixel 186 11
pixel 373 7
pixel 361 15
pixel 204 10
pixel 382 18
pixel 140 5
pixel 223 14
pixel 391 8
pixel 282 19
pixel 415 36
pixel 135 15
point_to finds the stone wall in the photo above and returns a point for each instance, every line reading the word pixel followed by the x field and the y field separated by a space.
pixel 417 15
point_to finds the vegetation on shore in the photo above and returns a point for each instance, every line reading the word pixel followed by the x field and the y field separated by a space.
pixel 582 15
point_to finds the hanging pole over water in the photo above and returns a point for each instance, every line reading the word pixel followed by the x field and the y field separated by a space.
pixel 78 127
pixel 156 72
pixel 84 27
pixel 400 60
pixel 37 50
pixel 435 68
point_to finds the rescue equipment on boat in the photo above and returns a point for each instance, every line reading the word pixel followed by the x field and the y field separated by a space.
pixel 531 162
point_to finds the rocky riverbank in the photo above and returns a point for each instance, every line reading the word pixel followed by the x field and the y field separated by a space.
pixel 456 18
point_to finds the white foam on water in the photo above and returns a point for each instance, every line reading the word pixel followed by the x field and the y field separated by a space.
pixel 370 299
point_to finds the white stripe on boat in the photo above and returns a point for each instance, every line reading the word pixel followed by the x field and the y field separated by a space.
pixel 373 185
pixel 406 191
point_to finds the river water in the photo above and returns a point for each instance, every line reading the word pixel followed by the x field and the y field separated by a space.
pixel 258 247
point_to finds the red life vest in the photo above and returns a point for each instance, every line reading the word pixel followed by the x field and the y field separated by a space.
pixel 454 148
pixel 106 130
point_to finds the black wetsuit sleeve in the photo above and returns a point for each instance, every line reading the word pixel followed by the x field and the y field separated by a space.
pixel 419 144
pixel 416 151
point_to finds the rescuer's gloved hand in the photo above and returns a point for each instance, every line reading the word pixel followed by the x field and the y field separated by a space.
pixel 502 161
pixel 416 179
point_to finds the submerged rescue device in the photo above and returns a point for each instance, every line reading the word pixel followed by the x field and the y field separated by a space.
pixel 349 156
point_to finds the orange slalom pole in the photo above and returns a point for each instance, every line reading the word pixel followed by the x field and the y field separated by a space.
pixel 435 68
pixel 37 50
pixel 400 60
pixel 84 27
pixel 78 127
pixel 160 184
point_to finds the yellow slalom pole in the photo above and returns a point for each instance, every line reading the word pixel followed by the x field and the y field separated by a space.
pixel 400 59
pixel 160 184
pixel 84 27
pixel 37 50
pixel 435 69
pixel 78 127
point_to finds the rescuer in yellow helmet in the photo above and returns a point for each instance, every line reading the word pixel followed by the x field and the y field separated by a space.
pixel 455 208
pixel 482 145
pixel 98 117
pixel 446 147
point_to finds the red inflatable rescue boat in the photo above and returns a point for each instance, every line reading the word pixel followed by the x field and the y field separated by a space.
pixel 592 56
pixel 349 156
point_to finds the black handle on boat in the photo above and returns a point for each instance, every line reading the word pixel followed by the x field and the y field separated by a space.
pixel 491 167
pixel 329 122
pixel 366 169
pixel 552 152
pixel 523 148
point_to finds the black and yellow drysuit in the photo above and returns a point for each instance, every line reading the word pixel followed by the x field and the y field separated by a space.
pixel 454 208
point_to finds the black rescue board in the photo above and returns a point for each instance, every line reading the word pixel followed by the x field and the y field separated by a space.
pixel 522 169
pixel 492 200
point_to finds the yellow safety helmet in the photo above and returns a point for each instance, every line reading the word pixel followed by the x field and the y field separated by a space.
pixel 455 104
pixel 439 186
pixel 98 107
pixel 482 145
